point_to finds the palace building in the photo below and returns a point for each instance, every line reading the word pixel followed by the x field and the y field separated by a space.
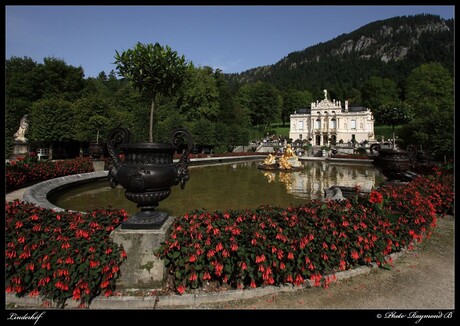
pixel 328 122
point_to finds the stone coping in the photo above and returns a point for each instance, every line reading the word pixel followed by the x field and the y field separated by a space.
pixel 38 194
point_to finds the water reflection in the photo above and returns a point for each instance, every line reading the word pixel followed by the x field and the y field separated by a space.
pixel 317 176
pixel 229 186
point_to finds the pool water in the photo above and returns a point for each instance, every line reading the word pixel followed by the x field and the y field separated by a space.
pixel 230 186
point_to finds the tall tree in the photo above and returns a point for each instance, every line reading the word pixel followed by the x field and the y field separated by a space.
pixel 200 96
pixel 430 88
pixel 261 100
pixel 56 78
pixel 294 100
pixel 378 91
pixel 51 121
pixel 20 92
pixel 153 69
pixel 430 91
pixel 91 119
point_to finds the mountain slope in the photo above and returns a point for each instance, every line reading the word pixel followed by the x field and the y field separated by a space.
pixel 388 48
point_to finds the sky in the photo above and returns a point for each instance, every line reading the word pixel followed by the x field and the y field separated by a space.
pixel 230 38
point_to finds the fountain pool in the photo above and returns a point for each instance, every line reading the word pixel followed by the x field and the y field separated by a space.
pixel 230 186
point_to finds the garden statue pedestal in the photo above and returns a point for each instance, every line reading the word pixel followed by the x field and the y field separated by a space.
pixel 20 150
pixel 142 269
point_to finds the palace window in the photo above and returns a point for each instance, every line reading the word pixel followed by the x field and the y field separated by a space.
pixel 353 124
pixel 333 124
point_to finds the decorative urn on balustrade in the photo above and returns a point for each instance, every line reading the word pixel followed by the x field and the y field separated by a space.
pixel 147 172
pixel 392 162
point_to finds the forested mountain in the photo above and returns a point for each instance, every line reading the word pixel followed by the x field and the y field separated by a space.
pixel 389 48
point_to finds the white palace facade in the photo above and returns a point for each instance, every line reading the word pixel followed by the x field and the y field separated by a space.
pixel 327 121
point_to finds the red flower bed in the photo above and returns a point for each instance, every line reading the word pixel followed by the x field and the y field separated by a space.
pixel 273 246
pixel 61 255
pixel 24 172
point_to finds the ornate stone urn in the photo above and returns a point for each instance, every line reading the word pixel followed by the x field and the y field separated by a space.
pixel 147 172
pixel 96 150
pixel 392 162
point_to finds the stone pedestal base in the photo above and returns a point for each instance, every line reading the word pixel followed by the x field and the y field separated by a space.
pixel 98 166
pixel 142 269
pixel 20 150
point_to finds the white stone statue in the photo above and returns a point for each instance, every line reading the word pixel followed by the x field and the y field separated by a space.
pixel 23 126
pixel 325 94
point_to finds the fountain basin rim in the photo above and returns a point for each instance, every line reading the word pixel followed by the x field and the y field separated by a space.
pixel 39 193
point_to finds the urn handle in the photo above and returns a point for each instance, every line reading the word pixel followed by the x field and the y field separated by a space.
pixel 412 153
pixel 177 136
pixel 115 138
pixel 375 149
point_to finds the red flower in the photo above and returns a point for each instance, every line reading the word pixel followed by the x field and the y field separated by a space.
pixel 375 197
pixel 181 289
pixel 206 276
pixel 192 277
pixel 354 255
pixel 260 259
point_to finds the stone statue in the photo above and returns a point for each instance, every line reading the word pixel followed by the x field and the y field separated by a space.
pixel 289 160
pixel 270 159
pixel 23 126
pixel 325 94
pixel 333 194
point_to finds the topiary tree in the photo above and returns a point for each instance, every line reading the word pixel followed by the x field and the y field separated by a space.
pixel 394 114
pixel 152 69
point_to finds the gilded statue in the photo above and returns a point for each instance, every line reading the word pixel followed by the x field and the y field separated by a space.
pixel 270 159
pixel 289 160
